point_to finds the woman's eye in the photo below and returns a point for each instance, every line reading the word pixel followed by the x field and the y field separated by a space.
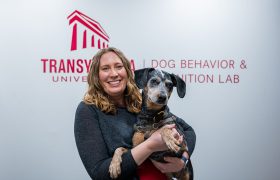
pixel 119 67
pixel 105 69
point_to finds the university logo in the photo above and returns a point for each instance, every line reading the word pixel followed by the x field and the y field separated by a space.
pixel 86 32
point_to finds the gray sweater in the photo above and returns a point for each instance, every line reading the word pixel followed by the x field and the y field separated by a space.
pixel 98 135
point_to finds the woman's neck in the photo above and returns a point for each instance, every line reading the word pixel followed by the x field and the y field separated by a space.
pixel 118 101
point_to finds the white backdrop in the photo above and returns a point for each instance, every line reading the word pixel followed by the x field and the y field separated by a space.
pixel 236 122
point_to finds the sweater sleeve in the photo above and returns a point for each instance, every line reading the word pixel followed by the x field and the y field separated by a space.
pixel 189 135
pixel 92 147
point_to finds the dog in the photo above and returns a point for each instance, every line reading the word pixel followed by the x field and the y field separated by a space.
pixel 157 87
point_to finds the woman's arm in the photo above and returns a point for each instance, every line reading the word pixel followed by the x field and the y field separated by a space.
pixel 189 134
pixel 92 148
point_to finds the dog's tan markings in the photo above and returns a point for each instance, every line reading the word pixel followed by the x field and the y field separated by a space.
pixel 186 176
pixel 138 138
pixel 179 175
pixel 169 94
pixel 115 166
pixel 171 142
pixel 151 105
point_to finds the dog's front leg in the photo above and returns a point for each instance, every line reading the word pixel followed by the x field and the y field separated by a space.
pixel 138 137
pixel 115 166
pixel 171 142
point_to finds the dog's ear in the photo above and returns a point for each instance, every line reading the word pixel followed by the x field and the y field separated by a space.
pixel 141 77
pixel 180 85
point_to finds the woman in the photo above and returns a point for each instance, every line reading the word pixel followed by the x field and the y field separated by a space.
pixel 104 121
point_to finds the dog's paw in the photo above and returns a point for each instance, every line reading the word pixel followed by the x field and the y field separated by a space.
pixel 172 143
pixel 115 167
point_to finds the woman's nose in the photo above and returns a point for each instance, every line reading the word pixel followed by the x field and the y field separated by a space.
pixel 114 72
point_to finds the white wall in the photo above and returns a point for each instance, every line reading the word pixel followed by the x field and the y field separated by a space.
pixel 236 123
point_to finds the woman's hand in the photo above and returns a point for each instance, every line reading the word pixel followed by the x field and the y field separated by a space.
pixel 156 142
pixel 173 164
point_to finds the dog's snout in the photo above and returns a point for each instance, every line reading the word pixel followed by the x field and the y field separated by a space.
pixel 162 97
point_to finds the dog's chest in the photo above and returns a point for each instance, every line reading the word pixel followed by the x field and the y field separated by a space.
pixel 149 122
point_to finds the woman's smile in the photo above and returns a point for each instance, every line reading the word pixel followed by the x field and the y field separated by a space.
pixel 114 83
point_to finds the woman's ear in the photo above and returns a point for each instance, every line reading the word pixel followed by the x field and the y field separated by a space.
pixel 141 77
pixel 180 85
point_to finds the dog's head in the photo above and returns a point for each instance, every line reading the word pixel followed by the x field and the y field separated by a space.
pixel 157 86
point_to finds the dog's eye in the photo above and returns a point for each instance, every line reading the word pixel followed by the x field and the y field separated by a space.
pixel 154 81
pixel 169 84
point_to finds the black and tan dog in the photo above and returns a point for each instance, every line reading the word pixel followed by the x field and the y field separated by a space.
pixel 157 87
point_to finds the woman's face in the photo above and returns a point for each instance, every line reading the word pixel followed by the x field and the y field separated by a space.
pixel 112 75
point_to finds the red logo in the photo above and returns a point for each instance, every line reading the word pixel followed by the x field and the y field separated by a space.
pixel 86 32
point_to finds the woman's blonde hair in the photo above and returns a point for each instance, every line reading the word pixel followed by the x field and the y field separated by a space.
pixel 96 94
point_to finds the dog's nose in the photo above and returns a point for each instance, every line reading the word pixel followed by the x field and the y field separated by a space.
pixel 161 98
